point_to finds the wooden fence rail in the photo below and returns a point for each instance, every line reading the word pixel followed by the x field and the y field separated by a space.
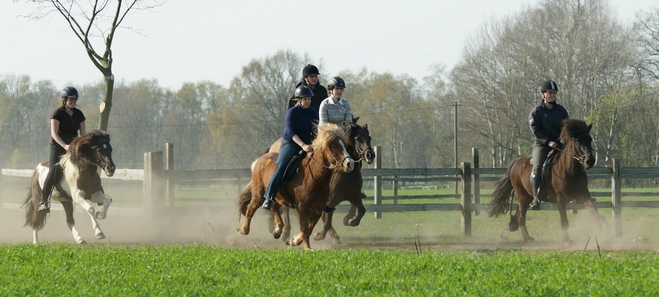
pixel 159 178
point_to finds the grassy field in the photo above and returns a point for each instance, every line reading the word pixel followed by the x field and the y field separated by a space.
pixel 399 254
pixel 188 270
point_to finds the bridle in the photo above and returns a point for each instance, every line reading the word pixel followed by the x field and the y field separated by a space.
pixel 361 152
pixel 336 158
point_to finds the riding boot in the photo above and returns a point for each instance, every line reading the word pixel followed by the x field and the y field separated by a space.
pixel 44 204
pixel 536 181
pixel 267 204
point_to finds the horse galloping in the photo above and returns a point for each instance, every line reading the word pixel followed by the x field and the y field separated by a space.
pixel 77 180
pixel 566 180
pixel 309 187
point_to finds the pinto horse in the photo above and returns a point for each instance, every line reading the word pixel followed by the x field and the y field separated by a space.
pixel 309 187
pixel 566 180
pixel 78 181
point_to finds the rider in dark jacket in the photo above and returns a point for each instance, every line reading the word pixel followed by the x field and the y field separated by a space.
pixel 545 121
pixel 310 79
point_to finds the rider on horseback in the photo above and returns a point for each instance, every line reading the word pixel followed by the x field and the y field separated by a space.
pixel 545 121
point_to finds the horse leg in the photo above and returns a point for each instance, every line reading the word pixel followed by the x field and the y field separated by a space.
pixel 327 225
pixel 68 210
pixel 565 224
pixel 277 220
pixel 79 199
pixel 104 202
pixel 253 205
pixel 588 204
pixel 286 232
pixel 305 232
pixel 361 211
pixel 522 207
pixel 349 215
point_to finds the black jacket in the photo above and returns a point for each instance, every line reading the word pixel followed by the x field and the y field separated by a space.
pixel 319 94
pixel 546 123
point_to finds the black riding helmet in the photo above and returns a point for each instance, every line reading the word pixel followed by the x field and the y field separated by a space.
pixel 310 70
pixel 549 85
pixel 303 91
pixel 69 92
pixel 336 82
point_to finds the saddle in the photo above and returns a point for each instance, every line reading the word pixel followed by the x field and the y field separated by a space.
pixel 289 172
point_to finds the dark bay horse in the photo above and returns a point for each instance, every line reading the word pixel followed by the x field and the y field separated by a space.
pixel 309 187
pixel 565 181
pixel 78 182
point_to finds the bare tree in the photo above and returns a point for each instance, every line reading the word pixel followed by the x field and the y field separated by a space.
pixel 92 21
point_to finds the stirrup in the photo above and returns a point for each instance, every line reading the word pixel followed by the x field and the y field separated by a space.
pixel 44 206
pixel 535 204
pixel 267 205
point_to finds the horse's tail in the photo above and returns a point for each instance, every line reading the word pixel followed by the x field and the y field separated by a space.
pixel 501 195
pixel 244 199
pixel 34 218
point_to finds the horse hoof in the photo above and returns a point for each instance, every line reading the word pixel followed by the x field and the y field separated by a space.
pixel 318 236
pixel 100 236
pixel 289 241
pixel 100 215
pixel 346 222
pixel 353 223
pixel 276 236
pixel 82 241
pixel 241 231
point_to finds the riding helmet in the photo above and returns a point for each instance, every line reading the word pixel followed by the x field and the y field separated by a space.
pixel 549 85
pixel 69 92
pixel 310 70
pixel 337 82
pixel 303 91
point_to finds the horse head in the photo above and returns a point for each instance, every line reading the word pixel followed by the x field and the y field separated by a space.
pixel 575 135
pixel 93 148
pixel 359 142
pixel 331 140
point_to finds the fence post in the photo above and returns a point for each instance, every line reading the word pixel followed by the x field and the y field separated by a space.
pixel 377 182
pixel 152 184
pixel 466 198
pixel 394 189
pixel 475 156
pixel 615 197
pixel 169 165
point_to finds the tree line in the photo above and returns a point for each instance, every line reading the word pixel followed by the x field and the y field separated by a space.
pixel 607 74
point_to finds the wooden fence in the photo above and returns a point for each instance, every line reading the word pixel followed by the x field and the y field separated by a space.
pixel 159 179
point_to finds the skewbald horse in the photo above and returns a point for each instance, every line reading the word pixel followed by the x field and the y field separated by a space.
pixel 77 181
pixel 309 187
pixel 564 182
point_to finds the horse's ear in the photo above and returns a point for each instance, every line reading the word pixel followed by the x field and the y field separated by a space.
pixel 589 127
pixel 355 119
pixel 365 126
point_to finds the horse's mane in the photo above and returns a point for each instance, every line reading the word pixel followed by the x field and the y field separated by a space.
pixel 327 133
pixel 90 140
pixel 570 131
pixel 572 128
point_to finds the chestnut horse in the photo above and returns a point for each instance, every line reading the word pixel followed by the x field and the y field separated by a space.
pixel 77 181
pixel 566 180
pixel 343 186
pixel 309 187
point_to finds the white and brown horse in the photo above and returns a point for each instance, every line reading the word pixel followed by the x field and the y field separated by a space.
pixel 77 181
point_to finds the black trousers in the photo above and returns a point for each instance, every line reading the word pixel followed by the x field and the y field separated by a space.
pixel 56 151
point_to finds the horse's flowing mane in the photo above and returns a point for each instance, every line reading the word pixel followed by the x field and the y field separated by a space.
pixel 572 129
pixel 88 141
pixel 326 133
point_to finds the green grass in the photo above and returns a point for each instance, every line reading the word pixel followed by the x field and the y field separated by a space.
pixel 176 270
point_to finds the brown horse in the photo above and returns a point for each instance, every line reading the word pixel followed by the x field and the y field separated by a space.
pixel 77 181
pixel 343 186
pixel 566 180
pixel 309 187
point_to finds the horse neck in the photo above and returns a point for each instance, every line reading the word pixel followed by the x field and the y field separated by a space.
pixel 567 160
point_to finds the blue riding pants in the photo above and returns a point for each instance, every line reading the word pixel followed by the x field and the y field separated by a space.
pixel 287 151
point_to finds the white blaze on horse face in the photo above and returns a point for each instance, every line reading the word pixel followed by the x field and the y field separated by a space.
pixel 348 162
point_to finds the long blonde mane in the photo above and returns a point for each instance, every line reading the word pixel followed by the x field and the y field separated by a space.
pixel 326 134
